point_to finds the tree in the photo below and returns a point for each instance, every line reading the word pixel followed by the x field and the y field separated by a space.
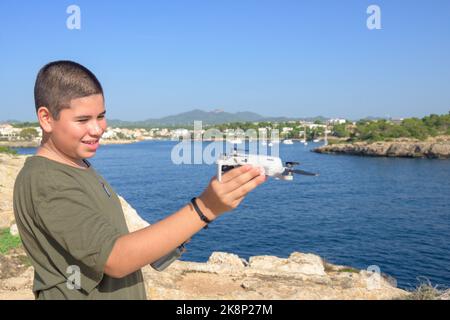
pixel 340 131
pixel 25 124
pixel 416 128
pixel 28 133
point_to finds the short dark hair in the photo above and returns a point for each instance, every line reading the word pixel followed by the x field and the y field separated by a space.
pixel 59 82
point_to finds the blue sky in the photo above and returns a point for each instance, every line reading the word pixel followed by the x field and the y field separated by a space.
pixel 277 58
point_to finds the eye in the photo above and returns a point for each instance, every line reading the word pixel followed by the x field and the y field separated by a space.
pixel 83 120
pixel 101 117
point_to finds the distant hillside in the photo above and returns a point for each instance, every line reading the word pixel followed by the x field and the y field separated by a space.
pixel 208 117
pixel 214 117
pixel 10 121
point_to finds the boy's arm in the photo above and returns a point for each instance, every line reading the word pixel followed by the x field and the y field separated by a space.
pixel 137 249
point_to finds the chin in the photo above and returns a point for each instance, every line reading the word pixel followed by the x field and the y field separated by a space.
pixel 88 155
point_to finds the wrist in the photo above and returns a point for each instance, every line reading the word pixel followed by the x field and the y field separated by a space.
pixel 206 210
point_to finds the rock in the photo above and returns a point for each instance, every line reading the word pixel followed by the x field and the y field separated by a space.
pixel 134 221
pixel 10 167
pixel 265 277
pixel 376 149
pixel 6 218
pixel 439 150
pixel 24 294
pixel 298 263
pixel 228 259
pixel 410 150
pixel 24 281
pixel 308 263
pixel 445 295
pixel 13 230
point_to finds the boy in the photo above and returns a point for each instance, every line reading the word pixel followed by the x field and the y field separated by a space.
pixel 69 217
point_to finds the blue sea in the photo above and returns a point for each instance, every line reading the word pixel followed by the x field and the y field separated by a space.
pixel 360 211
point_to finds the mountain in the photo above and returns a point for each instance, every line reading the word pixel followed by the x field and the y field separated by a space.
pixel 208 118
pixel 10 121
pixel 371 118
pixel 214 117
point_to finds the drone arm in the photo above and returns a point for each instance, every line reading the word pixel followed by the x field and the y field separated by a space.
pixel 219 172
pixel 222 168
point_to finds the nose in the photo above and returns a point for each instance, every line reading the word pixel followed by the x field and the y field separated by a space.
pixel 95 129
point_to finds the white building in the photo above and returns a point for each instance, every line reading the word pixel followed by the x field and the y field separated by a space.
pixel 181 133
pixel 8 131
pixel 336 121
pixel 163 132
pixel 314 125
pixel 109 133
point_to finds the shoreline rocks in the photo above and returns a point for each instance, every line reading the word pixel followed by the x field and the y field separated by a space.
pixel 226 276
pixel 403 148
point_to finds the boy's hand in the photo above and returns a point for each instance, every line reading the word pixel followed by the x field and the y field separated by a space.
pixel 226 195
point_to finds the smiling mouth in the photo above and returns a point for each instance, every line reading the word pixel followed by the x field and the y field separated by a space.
pixel 91 142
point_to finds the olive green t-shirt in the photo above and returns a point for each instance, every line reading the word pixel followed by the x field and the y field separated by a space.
pixel 69 219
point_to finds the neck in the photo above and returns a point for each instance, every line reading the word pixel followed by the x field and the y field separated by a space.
pixel 49 150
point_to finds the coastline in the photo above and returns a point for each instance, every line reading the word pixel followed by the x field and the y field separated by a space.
pixel 299 276
pixel 20 144
pixel 432 148
pixel 36 143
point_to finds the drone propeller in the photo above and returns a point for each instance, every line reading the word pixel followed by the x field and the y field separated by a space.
pixel 290 164
pixel 305 173
pixel 244 150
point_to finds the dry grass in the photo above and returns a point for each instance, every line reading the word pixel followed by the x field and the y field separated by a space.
pixel 426 291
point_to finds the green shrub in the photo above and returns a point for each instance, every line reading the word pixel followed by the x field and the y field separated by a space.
pixel 421 129
pixel 28 133
pixel 340 131
pixel 8 241
pixel 7 150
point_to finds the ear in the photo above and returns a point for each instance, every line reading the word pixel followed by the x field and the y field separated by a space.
pixel 45 119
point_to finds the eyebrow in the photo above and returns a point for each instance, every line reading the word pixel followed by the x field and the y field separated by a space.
pixel 87 117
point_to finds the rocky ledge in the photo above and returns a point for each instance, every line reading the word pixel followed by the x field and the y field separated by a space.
pixel 223 276
pixel 300 276
pixel 435 148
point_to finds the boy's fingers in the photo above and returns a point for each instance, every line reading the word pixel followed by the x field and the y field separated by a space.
pixel 238 201
pixel 230 175
pixel 240 180
pixel 243 190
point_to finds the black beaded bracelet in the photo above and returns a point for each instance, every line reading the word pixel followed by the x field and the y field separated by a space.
pixel 200 213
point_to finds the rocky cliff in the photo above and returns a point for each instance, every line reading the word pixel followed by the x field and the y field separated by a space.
pixel 9 168
pixel 223 276
pixel 433 148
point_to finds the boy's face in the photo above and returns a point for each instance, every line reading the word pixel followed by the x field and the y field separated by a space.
pixel 80 127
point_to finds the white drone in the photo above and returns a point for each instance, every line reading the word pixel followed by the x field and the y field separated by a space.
pixel 272 166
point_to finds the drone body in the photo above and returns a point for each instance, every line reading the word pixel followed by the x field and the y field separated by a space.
pixel 271 166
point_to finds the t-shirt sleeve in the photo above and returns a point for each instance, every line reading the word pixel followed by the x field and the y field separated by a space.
pixel 76 228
